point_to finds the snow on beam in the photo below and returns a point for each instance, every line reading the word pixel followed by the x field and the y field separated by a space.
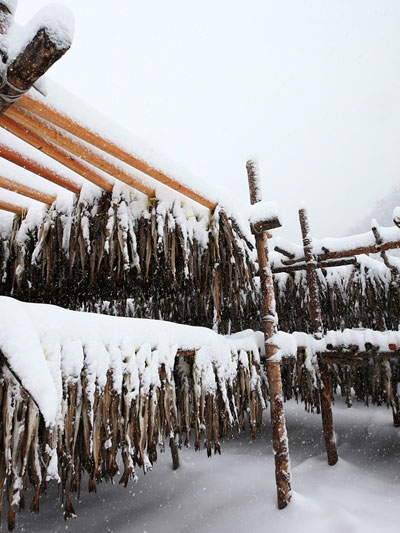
pixel 31 52
pixel 85 134
pixel 76 148
pixel 54 152
pixel 13 208
pixel 19 188
pixel 372 248
pixel 37 168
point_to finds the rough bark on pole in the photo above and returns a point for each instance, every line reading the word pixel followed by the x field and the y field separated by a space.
pixel 327 256
pixel 30 64
pixel 317 328
pixel 270 323
pixel 323 264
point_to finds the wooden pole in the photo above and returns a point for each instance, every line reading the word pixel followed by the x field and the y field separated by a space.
pixel 52 151
pixel 40 170
pixel 67 124
pixel 327 256
pixel 12 208
pixel 323 264
pixel 67 143
pixel 32 62
pixel 14 186
pixel 270 323
pixel 317 328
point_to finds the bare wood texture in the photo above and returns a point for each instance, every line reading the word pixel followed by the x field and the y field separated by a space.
pixel 40 170
pixel 270 324
pixel 37 57
pixel 317 328
pixel 66 123
pixel 54 135
pixel 14 186
pixel 12 208
pixel 53 151
pixel 322 264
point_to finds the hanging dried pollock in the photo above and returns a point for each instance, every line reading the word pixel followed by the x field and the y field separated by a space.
pixel 126 255
pixel 84 399
pixel 366 295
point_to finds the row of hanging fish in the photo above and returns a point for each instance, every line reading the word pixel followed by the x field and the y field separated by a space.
pixel 116 412
pixel 144 258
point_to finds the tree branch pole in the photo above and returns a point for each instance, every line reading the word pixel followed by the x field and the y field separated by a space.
pixel 270 323
pixel 31 63
pixel 339 254
pixel 317 328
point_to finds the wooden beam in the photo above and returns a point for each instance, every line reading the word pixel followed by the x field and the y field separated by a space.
pixel 270 325
pixel 368 354
pixel 325 392
pixel 14 186
pixel 12 208
pixel 52 151
pixel 67 124
pixel 78 149
pixel 322 264
pixel 284 252
pixel 40 170
pixel 32 62
pixel 265 225
pixel 372 249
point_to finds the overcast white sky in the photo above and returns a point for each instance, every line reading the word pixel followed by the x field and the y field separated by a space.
pixel 312 87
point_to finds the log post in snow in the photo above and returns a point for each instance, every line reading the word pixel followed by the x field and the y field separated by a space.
pixel 52 38
pixel 316 324
pixel 270 323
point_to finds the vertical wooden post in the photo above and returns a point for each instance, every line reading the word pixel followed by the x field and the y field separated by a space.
pixel 317 328
pixel 270 324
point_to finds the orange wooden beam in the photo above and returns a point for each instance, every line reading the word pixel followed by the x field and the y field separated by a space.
pixel 66 123
pixel 53 151
pixel 59 138
pixel 12 208
pixel 14 186
pixel 40 170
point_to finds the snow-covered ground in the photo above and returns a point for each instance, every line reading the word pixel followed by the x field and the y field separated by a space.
pixel 235 492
